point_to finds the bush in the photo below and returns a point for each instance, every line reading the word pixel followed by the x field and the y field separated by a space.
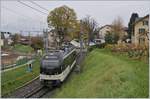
pixel 136 51
pixel 109 46
pixel 120 48
pixel 90 48
pixel 101 45
pixel 111 38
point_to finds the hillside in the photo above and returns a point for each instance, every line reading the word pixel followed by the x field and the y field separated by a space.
pixel 107 75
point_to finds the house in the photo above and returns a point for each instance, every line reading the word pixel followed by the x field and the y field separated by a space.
pixel 1 42
pixel 123 36
pixel 51 36
pixel 25 40
pixel 6 38
pixel 104 30
pixel 109 29
pixel 141 30
pixel 125 30
pixel 2 39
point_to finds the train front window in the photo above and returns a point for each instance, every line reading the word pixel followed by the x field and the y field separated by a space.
pixel 50 63
pixel 50 57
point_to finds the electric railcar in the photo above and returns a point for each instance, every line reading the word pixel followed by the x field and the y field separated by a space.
pixel 56 66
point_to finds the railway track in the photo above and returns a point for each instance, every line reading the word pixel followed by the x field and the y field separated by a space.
pixel 33 89
pixel 38 93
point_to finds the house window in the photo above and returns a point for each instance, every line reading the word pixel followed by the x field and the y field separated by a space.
pixel 141 41
pixel 107 31
pixel 107 27
pixel 145 22
pixel 141 30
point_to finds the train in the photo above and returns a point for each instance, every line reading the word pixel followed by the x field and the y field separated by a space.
pixel 56 65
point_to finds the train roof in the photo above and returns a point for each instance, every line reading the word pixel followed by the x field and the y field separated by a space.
pixel 59 53
pixel 56 57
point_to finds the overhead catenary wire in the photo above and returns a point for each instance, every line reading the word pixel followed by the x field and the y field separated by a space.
pixel 32 8
pixel 39 6
pixel 16 13
pixel 20 14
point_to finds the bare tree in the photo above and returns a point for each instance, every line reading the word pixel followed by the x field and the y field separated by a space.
pixel 117 28
pixel 90 26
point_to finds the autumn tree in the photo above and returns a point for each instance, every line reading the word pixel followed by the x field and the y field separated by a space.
pixel 37 42
pixel 16 38
pixel 117 32
pixel 63 20
pixel 117 28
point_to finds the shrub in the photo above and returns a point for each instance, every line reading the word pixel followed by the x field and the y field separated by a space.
pixel 111 38
pixel 90 48
pixel 131 50
pixel 101 45
pixel 109 46
pixel 136 51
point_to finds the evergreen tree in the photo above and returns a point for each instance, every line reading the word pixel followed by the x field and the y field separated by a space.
pixel 134 16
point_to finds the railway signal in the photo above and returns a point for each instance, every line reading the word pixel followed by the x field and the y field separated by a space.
pixel 45 32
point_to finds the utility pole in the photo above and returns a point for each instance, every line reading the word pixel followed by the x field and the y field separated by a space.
pixel 81 40
pixel 45 34
pixel 80 54
pixel 29 39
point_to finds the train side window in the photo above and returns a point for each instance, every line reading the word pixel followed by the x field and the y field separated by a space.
pixel 64 64
pixel 61 67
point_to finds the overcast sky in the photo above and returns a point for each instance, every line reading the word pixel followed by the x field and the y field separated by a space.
pixel 16 16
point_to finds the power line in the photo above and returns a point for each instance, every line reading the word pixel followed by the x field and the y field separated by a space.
pixel 39 6
pixel 14 12
pixel 19 13
pixel 32 7
pixel 34 31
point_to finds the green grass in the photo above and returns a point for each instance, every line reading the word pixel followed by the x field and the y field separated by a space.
pixel 10 80
pixel 22 48
pixel 107 75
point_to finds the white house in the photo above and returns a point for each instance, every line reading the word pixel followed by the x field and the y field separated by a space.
pixel 5 38
pixel 104 30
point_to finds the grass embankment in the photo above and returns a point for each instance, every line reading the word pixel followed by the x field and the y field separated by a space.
pixel 107 75
pixel 10 80
pixel 22 48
